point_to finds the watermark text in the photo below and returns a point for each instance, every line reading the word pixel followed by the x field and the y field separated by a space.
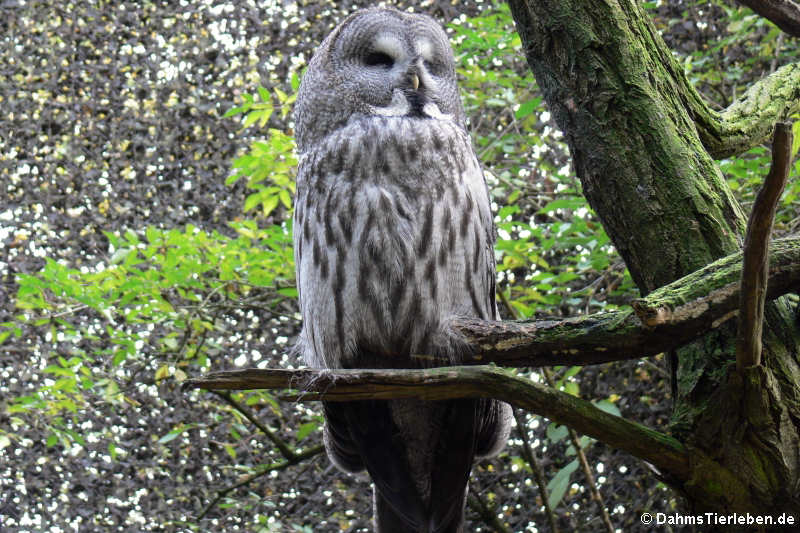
pixel 717 519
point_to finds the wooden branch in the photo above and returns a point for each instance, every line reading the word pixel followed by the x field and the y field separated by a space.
pixel 785 14
pixel 487 514
pixel 667 318
pixel 750 120
pixel 282 447
pixel 710 296
pixel 756 245
pixel 662 451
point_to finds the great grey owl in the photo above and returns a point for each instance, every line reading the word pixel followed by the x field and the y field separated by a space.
pixel 393 238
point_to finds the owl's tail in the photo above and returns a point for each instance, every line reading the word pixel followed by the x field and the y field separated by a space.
pixel 367 429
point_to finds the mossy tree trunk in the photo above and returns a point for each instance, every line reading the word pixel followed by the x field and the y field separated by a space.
pixel 643 145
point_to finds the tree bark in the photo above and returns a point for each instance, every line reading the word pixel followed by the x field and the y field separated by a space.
pixel 640 139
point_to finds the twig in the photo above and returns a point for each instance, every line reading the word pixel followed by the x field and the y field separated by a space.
pixel 587 471
pixel 527 451
pixel 287 453
pixel 536 468
pixel 298 457
pixel 756 245
pixel 486 513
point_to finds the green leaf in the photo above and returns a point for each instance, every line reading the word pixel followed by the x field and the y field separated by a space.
pixel 608 407
pixel 583 442
pixel 558 486
pixel 556 433
pixel 119 255
pixel 290 292
pixel 231 451
pixel 233 111
pixel 572 388
pixel 528 107
pixel 571 203
pixel 305 430
pixel 269 204
pixel 172 435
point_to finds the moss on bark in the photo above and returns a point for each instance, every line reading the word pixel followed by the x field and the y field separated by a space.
pixel 640 138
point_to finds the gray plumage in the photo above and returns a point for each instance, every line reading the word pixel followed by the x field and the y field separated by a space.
pixel 393 238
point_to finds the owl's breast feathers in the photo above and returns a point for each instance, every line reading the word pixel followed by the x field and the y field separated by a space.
pixel 393 237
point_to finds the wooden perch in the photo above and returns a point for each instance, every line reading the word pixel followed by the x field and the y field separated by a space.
pixel 785 14
pixel 755 271
pixel 673 315
pixel 667 318
pixel 664 452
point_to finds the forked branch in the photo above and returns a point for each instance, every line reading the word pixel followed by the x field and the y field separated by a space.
pixel 671 316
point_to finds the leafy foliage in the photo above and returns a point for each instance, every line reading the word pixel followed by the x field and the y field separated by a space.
pixel 178 280
pixel 270 165
pixel 554 257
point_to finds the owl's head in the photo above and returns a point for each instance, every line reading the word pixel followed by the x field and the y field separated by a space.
pixel 378 61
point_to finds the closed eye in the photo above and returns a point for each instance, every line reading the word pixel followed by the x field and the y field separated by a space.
pixel 379 59
pixel 431 67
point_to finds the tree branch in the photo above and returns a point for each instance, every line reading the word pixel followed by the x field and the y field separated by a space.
pixel 287 452
pixel 487 514
pixel 748 121
pixel 785 14
pixel 667 318
pixel 298 457
pixel 756 246
pixel 442 383
pixel 672 315
pixel 709 296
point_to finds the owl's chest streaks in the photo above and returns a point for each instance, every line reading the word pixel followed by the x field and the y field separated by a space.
pixel 396 232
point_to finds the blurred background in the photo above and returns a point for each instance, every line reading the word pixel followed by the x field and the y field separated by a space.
pixel 146 177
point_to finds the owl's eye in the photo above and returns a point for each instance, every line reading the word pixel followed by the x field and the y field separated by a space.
pixel 432 67
pixel 379 59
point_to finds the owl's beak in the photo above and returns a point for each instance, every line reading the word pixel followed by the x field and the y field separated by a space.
pixel 414 80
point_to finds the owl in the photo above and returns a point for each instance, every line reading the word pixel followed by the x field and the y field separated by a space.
pixel 394 237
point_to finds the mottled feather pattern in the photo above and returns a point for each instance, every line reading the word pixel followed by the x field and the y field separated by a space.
pixel 410 212
pixel 393 238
